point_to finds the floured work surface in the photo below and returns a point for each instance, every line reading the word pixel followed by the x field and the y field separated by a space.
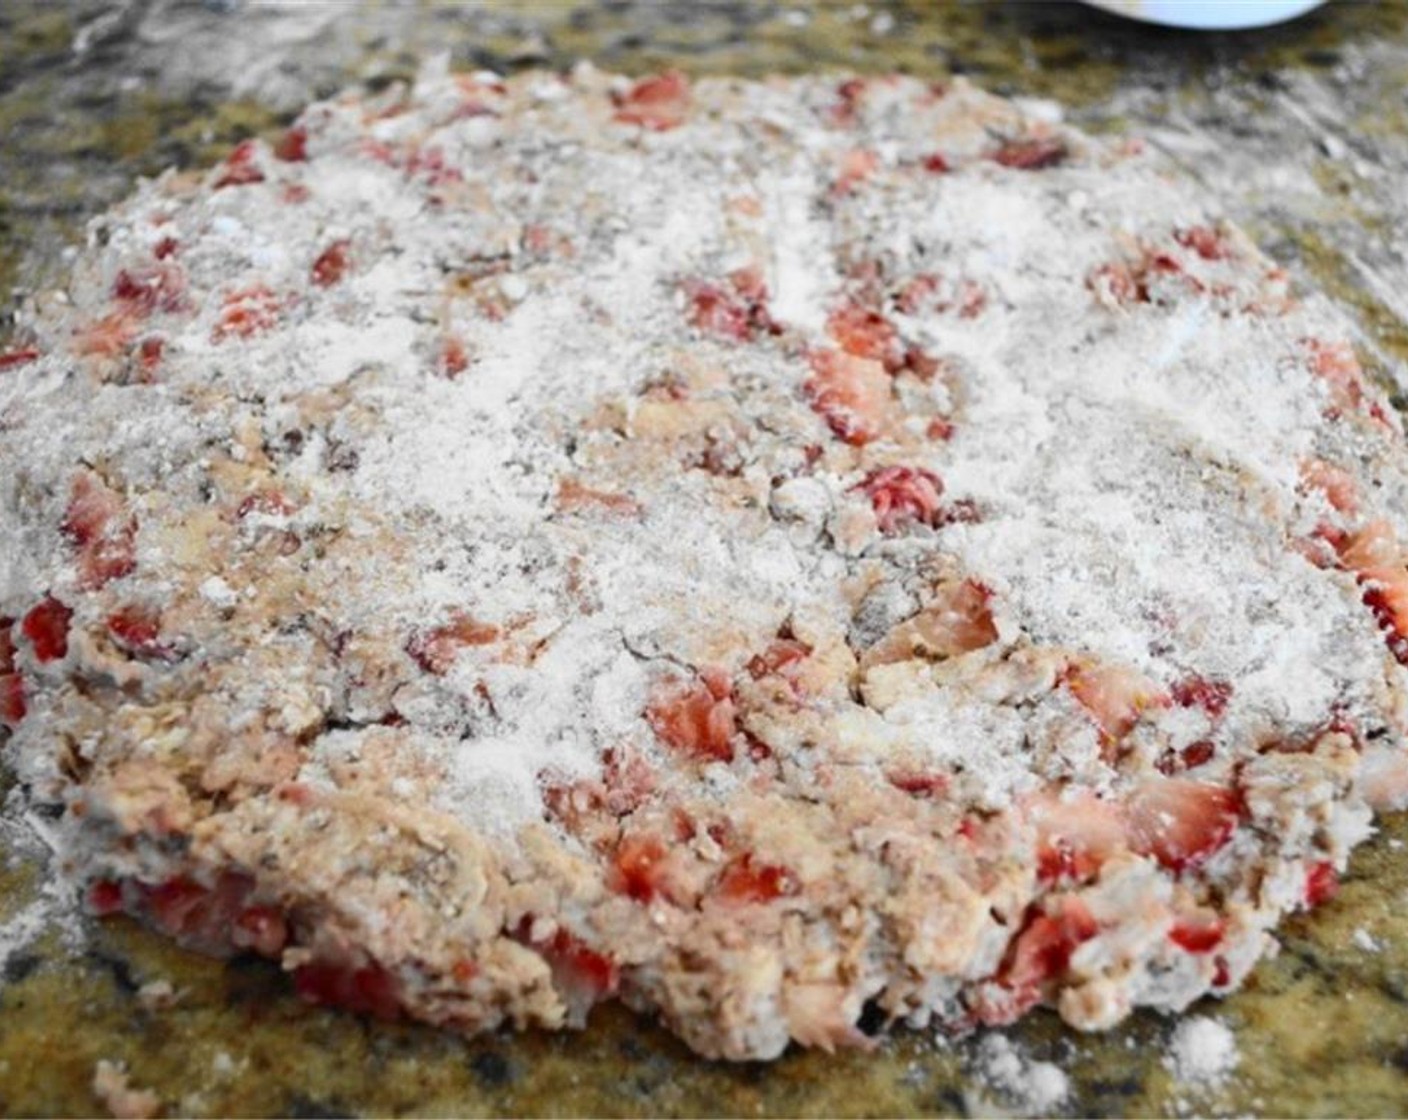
pixel 900 496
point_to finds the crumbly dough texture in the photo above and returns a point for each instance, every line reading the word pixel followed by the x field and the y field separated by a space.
pixel 758 551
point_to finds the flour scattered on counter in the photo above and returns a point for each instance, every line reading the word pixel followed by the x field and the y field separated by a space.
pixel 1033 1086
pixel 111 1086
pixel 1365 940
pixel 1202 1052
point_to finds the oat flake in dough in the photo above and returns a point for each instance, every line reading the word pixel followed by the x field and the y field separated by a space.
pixel 750 550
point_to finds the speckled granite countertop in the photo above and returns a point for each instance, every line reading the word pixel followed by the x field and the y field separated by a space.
pixel 1302 129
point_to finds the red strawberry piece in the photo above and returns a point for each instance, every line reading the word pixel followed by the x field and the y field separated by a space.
pixel 656 103
pixel 1181 823
pixel 919 783
pixel 161 287
pixel 46 627
pixel 454 360
pixel 857 165
pixel 780 657
pixel 149 352
pixel 104 897
pixel 1039 955
pixel 1204 241
pixel 745 880
pixel 1031 155
pixel 292 146
pixel 717 312
pixel 1199 692
pixel 1322 883
pixel 12 693
pixel 368 990
pixel 1116 285
pixel 247 312
pixel 7 645
pixel 435 650
pixel 165 248
pixel 1197 936
pixel 1075 835
pixel 271 503
pixel 1115 696
pixel 260 929
pixel 331 265
pixel 18 357
pixel 695 719
pixel 138 631
pixel 1193 755
pixel 851 394
pixel 639 868
pixel 100 528
pixel 1336 483
pixel 849 93
pixel 12 699
pixel 936 164
pixel 903 495
pixel 866 334
pixel 581 975
pixel 240 168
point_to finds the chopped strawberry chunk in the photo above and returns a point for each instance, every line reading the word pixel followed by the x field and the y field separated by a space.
pixel 959 619
pixel 851 394
pixel 746 881
pixel 581 975
pixel 108 336
pixel 292 146
pixel 1197 937
pixel 260 929
pixel 161 287
pixel 18 357
pixel 1193 755
pixel 247 312
pixel 936 164
pixel 1115 696
pixel 919 784
pixel 435 650
pixel 12 699
pixel 104 897
pixel 7 645
pixel 1039 955
pixel 165 248
pixel 271 503
pixel 738 311
pixel 332 264
pixel 780 657
pixel 1322 883
pixel 1204 241
pixel 849 93
pixel 1181 823
pixel 1375 556
pixel 656 103
pixel 695 719
pixel 240 169
pixel 454 359
pixel 1336 483
pixel 1199 692
pixel 903 495
pixel 866 334
pixel 1116 285
pixel 100 528
pixel 1031 155
pixel 138 631
pixel 368 990
pixel 638 868
pixel 1075 835
pixel 857 165
pixel 46 627
pixel 149 352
